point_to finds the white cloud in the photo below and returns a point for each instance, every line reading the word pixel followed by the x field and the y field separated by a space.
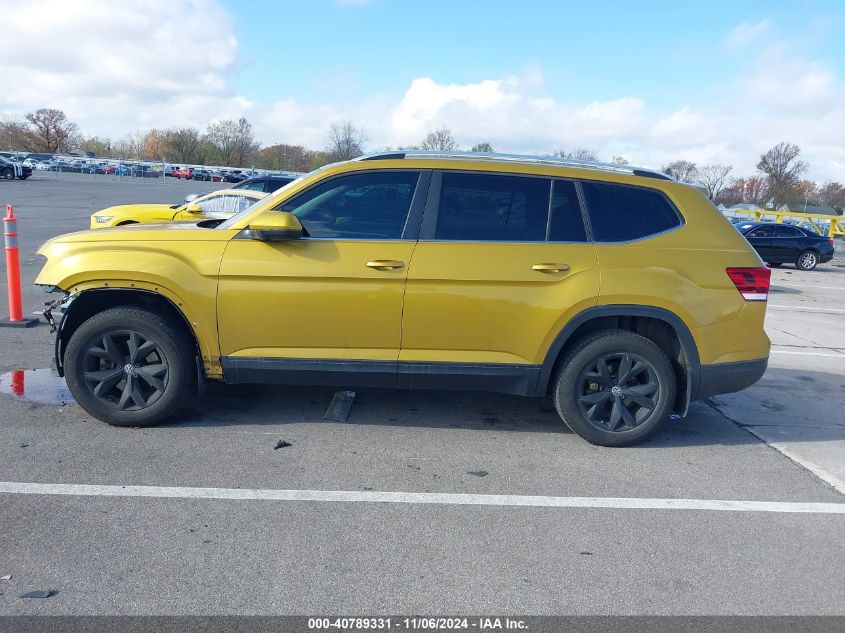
pixel 746 33
pixel 118 68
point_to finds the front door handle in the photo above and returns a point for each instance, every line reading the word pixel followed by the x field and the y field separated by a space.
pixel 385 264
pixel 550 268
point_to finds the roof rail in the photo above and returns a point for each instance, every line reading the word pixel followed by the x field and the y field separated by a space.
pixel 518 158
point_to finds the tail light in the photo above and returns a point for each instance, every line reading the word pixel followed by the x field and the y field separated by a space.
pixel 752 283
pixel 830 241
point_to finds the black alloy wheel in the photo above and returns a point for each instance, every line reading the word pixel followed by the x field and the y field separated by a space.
pixel 126 370
pixel 618 392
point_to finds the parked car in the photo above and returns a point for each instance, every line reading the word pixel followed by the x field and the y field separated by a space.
pixel 202 174
pixel 214 205
pixel 267 184
pixel 9 169
pixel 234 176
pixel 784 243
pixel 216 176
pixel 617 291
pixel 186 173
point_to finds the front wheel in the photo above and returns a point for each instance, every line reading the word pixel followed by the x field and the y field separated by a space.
pixel 130 366
pixel 615 388
pixel 807 260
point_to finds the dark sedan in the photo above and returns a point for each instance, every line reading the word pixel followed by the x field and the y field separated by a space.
pixel 9 170
pixel 784 243
pixel 267 184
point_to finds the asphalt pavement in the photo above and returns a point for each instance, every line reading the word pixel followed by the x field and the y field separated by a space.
pixel 209 522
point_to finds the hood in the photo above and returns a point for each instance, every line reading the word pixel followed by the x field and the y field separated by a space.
pixel 158 232
pixel 134 208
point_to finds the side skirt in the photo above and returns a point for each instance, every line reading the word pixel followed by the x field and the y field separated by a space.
pixel 501 378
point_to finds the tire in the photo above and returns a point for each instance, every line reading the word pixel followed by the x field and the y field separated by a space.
pixel 8 173
pixel 587 398
pixel 807 260
pixel 114 387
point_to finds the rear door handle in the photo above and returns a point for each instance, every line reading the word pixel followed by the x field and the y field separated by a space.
pixel 385 264
pixel 550 268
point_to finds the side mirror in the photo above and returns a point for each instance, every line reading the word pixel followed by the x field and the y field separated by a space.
pixel 193 208
pixel 277 226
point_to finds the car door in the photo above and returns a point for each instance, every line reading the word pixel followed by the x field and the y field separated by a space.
pixel 502 263
pixel 789 242
pixel 328 305
pixel 763 240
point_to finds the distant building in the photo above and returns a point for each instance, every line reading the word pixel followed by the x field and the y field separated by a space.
pixel 810 208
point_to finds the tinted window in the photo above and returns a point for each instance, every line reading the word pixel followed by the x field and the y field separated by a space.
pixel 357 206
pixel 566 224
pixel 252 186
pixel 492 207
pixel 620 213
pixel 761 231
pixel 786 231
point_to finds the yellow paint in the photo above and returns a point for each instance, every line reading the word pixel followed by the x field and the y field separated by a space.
pixel 149 213
pixel 479 302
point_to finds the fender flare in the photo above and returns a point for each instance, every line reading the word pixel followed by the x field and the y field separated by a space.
pixel 693 362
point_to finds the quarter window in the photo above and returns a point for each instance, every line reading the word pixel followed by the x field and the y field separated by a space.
pixel 620 213
pixel 492 207
pixel 566 223
pixel 370 205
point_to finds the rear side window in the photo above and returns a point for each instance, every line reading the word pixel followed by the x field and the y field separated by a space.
pixel 492 207
pixel 619 213
pixel 566 223
pixel 786 231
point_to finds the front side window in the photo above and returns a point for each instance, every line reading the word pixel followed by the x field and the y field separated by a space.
pixel 224 206
pixel 371 205
pixel 492 207
pixel 762 231
pixel 621 213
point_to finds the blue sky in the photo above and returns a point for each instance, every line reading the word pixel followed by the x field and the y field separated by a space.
pixel 711 82
pixel 668 53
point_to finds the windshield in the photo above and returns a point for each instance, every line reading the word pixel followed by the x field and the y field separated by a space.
pixel 228 223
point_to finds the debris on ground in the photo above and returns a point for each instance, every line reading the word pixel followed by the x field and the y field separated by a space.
pixel 281 444
pixel 339 408
pixel 6 577
pixel 478 473
pixel 38 594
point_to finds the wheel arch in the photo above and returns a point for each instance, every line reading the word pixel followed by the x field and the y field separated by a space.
pixel 90 302
pixel 663 327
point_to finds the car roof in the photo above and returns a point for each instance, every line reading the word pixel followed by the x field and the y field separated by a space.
pixel 524 159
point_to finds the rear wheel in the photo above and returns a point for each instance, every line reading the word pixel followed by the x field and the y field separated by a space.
pixel 130 367
pixel 807 260
pixel 8 173
pixel 615 388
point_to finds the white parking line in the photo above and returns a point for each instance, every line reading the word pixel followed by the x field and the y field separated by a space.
pixel 829 310
pixel 807 287
pixel 781 351
pixel 356 496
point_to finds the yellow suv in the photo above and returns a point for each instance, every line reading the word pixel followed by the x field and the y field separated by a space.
pixel 621 293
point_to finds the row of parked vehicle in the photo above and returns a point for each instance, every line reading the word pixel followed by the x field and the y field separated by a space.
pixel 90 165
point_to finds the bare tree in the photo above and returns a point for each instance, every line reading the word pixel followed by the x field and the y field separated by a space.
pixel 439 139
pixel 782 169
pixel 345 141
pixel 183 144
pixel 682 170
pixel 483 147
pixel 619 160
pixel 49 130
pixel 129 146
pixel 283 156
pixel 233 141
pixel 714 178
pixel 832 194
pixel 579 153
pixel 97 145
pixel 13 135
